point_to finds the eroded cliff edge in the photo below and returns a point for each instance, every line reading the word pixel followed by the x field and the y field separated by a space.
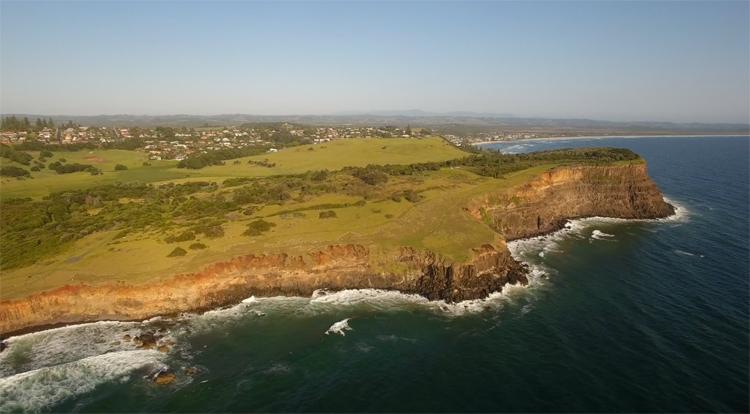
pixel 540 206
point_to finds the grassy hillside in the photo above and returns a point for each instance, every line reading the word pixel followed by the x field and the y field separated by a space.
pixel 332 156
pixel 77 235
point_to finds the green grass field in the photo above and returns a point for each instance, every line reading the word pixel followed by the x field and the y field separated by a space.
pixel 332 155
pixel 377 216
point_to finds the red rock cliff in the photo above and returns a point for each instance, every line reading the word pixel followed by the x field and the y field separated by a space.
pixel 537 207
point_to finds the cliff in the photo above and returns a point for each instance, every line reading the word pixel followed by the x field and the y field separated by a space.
pixel 537 207
pixel 545 204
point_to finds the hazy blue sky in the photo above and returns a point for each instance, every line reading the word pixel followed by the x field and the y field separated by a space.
pixel 674 61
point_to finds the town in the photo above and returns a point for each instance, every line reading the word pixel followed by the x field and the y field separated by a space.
pixel 167 143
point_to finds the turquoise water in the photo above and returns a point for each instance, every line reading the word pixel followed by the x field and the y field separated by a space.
pixel 631 316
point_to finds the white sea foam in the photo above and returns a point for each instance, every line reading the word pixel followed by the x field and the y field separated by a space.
pixel 375 298
pixel 339 327
pixel 251 299
pixel 600 235
pixel 66 344
pixel 684 253
pixel 39 389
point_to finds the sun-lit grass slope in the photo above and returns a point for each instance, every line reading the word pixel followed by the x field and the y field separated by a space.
pixel 436 223
pixel 126 232
pixel 337 154
pixel 332 155
pixel 47 181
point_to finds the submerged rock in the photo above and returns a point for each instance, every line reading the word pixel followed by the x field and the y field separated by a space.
pixel 190 371
pixel 164 377
pixel 145 341
pixel 126 338
pixel 163 349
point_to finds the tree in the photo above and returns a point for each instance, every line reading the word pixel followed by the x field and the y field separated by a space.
pixel 12 171
pixel 51 123
pixel 120 167
pixel 408 130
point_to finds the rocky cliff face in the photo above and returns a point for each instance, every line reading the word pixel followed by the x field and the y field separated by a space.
pixel 539 206
pixel 545 204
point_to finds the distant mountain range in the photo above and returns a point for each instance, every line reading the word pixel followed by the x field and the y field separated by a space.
pixel 446 123
pixel 421 113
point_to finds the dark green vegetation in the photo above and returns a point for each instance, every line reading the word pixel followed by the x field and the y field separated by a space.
pixel 6 151
pixel 177 252
pixel 327 214
pixel 33 230
pixel 258 227
pixel 218 157
pixel 12 171
pixel 61 168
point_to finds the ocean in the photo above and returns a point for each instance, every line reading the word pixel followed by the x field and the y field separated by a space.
pixel 619 316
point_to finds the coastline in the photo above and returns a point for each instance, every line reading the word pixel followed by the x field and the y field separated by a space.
pixel 549 202
pixel 579 137
pixel 561 227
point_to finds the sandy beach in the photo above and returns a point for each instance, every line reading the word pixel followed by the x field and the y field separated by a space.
pixel 603 136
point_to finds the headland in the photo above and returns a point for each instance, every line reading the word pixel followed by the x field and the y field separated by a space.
pixel 438 228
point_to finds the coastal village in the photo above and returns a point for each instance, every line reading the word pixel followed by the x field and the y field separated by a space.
pixel 167 143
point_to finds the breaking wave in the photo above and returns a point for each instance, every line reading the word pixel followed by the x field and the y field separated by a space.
pixel 40 389
pixel 339 327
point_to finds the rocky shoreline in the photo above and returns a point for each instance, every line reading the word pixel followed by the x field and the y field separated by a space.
pixel 539 207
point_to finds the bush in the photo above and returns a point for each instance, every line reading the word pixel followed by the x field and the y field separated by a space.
pixel 35 168
pixel 177 252
pixel 327 214
pixel 63 160
pixel 396 199
pixel 258 227
pixel 46 154
pixel 12 171
pixel 146 164
pixel 198 246
pixel 185 236
pixel 213 232
pixel 411 196
pixel 120 167
pixel 389 216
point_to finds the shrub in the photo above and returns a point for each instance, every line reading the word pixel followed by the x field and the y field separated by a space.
pixel 46 154
pixel 389 216
pixel 327 214
pixel 258 227
pixel 146 164
pixel 213 232
pixel 12 171
pixel 121 234
pixel 177 252
pixel 35 168
pixel 198 246
pixel 63 160
pixel 185 236
pixel 396 199
pixel 120 167
pixel 411 196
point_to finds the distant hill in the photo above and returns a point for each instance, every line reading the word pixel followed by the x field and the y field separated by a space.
pixel 453 122
pixel 421 113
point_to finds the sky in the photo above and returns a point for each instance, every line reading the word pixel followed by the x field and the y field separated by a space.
pixel 679 61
